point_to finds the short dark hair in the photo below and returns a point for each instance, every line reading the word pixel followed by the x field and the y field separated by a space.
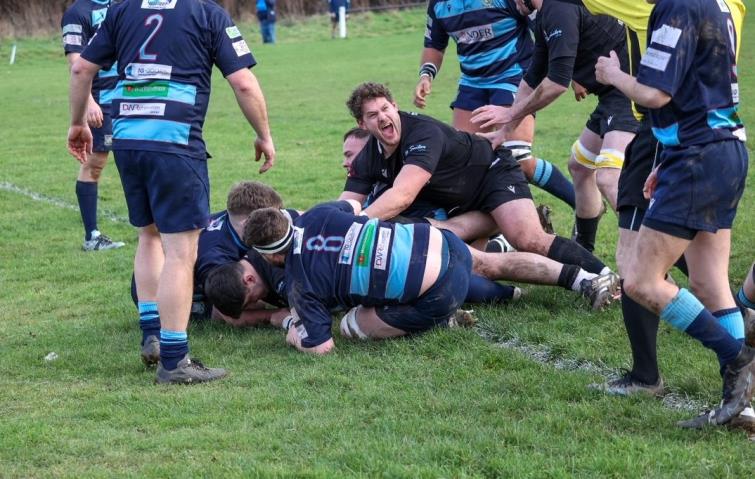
pixel 265 226
pixel 364 92
pixel 357 133
pixel 224 288
pixel 248 196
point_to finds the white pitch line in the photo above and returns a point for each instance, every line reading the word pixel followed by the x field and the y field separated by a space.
pixel 6 186
pixel 543 355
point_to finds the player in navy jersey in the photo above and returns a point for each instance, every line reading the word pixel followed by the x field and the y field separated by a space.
pixel 398 279
pixel 165 50
pixel 494 46
pixel 688 80
pixel 79 24
pixel 568 41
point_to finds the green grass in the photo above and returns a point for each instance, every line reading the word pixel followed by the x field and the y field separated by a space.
pixel 447 404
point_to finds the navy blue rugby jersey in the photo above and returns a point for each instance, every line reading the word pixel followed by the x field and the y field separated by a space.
pixel 165 50
pixel 220 244
pixel 691 55
pixel 493 41
pixel 79 25
pixel 339 259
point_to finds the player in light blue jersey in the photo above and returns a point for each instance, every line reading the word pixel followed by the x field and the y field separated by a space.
pixel 494 46
pixel 79 25
pixel 165 51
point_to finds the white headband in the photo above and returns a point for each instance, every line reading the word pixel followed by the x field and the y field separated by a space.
pixel 281 244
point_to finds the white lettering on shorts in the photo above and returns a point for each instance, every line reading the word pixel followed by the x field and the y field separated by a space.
pixel 667 36
pixel 147 109
pixel 655 59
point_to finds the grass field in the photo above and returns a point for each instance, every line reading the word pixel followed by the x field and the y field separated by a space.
pixel 509 399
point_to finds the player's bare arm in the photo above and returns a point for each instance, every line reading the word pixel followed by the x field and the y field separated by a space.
pixel 430 63
pixel 608 71
pixel 400 196
pixel 252 103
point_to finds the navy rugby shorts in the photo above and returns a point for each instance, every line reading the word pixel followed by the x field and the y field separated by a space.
pixel 169 190
pixel 443 298
pixel 470 98
pixel 103 136
pixel 698 188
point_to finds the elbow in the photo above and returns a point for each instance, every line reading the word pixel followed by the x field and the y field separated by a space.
pixel 77 69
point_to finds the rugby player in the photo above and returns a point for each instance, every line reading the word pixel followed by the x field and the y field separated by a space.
pixel 745 297
pixel 165 51
pixel 424 159
pixel 688 81
pixel 79 24
pixel 568 42
pixel 396 279
pixel 494 47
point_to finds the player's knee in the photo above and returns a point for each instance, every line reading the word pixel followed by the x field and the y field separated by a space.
pixel 582 161
pixel 350 326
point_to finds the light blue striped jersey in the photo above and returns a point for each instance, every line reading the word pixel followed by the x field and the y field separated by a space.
pixel 338 259
pixel 493 40
pixel 165 50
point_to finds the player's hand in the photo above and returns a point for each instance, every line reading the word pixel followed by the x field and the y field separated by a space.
pixel 423 88
pixel 607 67
pixel 580 92
pixel 94 115
pixel 267 148
pixel 80 142
pixel 649 188
pixel 496 138
pixel 490 115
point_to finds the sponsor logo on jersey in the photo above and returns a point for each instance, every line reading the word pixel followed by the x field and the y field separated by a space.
pixel 349 244
pixel 72 28
pixel 216 224
pixel 511 188
pixel 232 32
pixel 155 88
pixel 148 71
pixel 655 59
pixel 415 149
pixel 667 36
pixel 72 39
pixel 158 4
pixel 241 48
pixel 147 109
pixel 365 245
pixel 298 235
pixel 322 243
pixel 98 16
pixel 735 92
pixel 554 34
pixel 381 250
pixel 474 34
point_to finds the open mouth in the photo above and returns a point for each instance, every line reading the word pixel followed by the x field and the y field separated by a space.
pixel 387 129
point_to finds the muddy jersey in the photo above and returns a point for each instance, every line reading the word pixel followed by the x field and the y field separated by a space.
pixel 165 51
pixel 691 56
pixel 457 161
pixel 493 41
pixel 79 25
pixel 339 259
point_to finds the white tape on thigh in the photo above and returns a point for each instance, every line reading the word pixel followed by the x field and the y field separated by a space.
pixel 349 326
pixel 520 150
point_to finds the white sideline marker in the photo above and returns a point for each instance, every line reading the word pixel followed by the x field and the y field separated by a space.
pixel 342 22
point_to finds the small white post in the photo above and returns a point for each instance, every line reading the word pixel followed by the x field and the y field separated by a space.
pixel 13 54
pixel 342 22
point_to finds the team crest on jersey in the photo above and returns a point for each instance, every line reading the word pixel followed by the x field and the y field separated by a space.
pixel 158 4
pixel 98 16
pixel 216 224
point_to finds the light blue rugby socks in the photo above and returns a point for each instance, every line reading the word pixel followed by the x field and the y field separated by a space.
pixel 548 177
pixel 686 313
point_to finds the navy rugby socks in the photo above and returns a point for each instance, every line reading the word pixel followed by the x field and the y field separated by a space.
pixel 174 345
pixel 483 290
pixel 86 193
pixel 549 178
pixel 149 319
pixel 569 252
pixel 642 329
